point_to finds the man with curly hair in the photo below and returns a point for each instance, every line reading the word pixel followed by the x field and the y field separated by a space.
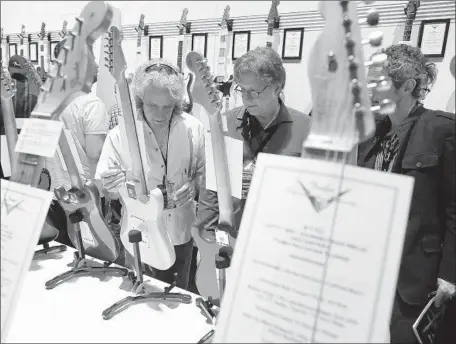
pixel 175 153
pixel 417 142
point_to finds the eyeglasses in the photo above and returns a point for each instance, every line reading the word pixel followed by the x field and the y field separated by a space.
pixel 161 67
pixel 250 94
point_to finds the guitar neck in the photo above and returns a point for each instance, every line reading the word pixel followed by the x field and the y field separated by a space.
pixel 131 129
pixel 9 120
pixel 222 70
pixel 180 49
pixel 221 171
pixel 71 158
pixel 408 28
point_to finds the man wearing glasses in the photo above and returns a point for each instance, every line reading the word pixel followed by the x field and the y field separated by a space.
pixel 174 141
pixel 263 123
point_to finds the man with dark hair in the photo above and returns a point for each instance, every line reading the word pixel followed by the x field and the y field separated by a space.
pixel 417 142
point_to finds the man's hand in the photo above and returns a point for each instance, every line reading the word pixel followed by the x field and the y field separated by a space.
pixel 185 194
pixel 112 179
pixel 445 291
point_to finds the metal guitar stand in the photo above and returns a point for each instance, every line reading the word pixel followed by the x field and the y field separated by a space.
pixel 135 237
pixel 222 262
pixel 49 249
pixel 81 266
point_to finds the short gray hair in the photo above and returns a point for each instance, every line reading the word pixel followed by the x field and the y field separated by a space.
pixel 263 62
pixel 174 82
pixel 408 62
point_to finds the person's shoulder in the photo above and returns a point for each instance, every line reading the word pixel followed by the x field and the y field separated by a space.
pixel 191 121
pixel 440 121
pixel 299 116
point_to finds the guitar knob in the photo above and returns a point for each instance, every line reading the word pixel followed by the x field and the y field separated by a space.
pixel 379 60
pixel 373 17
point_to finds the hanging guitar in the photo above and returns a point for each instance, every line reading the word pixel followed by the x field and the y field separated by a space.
pixel 184 30
pixel 206 95
pixel 404 37
pixel 142 208
pixel 69 78
pixel 223 80
pixel 9 120
pixel 139 50
pixel 64 31
pixel 22 45
pixel 4 48
pixel 42 51
pixel 451 102
pixel 84 198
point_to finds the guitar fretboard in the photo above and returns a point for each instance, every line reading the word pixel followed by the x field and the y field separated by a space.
pixel 179 54
pixel 408 26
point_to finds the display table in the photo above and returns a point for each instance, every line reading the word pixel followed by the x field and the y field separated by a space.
pixel 71 312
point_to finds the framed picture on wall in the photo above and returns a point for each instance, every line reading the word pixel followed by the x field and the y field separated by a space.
pixel 155 47
pixel 241 43
pixel 12 49
pixel 199 43
pixel 432 38
pixel 52 45
pixel 292 43
pixel 33 51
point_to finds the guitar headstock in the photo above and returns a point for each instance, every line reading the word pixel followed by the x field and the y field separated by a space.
pixel 22 31
pixel 273 16
pixel 23 66
pixel 114 56
pixel 42 31
pixel 2 37
pixel 341 115
pixel 183 22
pixel 74 70
pixel 226 16
pixel 204 91
pixel 7 87
pixel 411 8
pixel 64 32
pixel 140 27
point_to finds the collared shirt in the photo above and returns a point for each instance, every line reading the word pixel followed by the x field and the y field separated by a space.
pixel 292 129
pixel 85 115
pixel 186 136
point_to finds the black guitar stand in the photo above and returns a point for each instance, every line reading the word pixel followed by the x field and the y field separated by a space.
pixel 81 266
pixel 49 249
pixel 222 262
pixel 135 237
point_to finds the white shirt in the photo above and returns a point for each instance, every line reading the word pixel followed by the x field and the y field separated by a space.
pixel 178 221
pixel 85 115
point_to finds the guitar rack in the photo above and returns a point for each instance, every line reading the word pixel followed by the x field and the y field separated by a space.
pixel 135 237
pixel 81 267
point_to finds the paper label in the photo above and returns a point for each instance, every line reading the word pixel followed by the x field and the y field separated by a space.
pixel 39 137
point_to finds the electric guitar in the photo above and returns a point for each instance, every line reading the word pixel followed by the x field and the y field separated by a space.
pixel 42 51
pixel 206 95
pixel 23 51
pixel 184 29
pixel 142 207
pixel 9 119
pixel 450 106
pixel 64 31
pixel 84 198
pixel 139 50
pixel 71 77
pixel 223 79
pixel 410 11
pixel 5 49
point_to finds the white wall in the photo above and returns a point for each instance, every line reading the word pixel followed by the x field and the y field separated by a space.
pixel 15 13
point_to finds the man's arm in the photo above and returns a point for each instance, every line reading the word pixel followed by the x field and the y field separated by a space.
pixel 96 126
pixel 447 269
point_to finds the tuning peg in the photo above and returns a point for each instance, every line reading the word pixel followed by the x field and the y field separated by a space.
pixel 377 60
pixel 375 39
pixel 386 107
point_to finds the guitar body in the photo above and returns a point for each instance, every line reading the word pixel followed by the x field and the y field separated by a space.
pixel 156 247
pixel 100 243
pixel 188 99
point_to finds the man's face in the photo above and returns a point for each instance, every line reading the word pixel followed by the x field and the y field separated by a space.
pixel 158 104
pixel 267 98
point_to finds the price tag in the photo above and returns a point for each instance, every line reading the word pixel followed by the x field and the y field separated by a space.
pixel 39 137
pixel 222 238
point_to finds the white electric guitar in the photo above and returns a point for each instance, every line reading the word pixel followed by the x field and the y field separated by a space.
pixel 142 207
pixel 139 48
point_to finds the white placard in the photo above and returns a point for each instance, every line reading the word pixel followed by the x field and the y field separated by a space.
pixel 155 47
pixel 24 210
pixel 310 265
pixel 432 39
pixel 199 44
pixel 292 44
pixel 241 44
pixel 39 137
pixel 234 150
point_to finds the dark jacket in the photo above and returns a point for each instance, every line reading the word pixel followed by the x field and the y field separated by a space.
pixel 287 140
pixel 428 155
